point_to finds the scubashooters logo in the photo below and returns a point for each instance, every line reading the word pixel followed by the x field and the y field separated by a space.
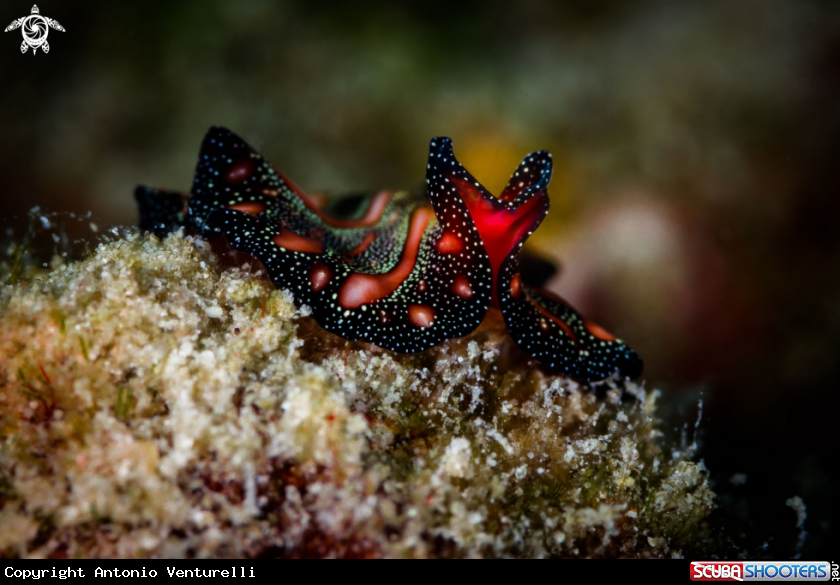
pixel 760 571
pixel 35 29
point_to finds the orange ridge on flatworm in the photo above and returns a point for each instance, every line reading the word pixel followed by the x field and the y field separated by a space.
pixel 360 289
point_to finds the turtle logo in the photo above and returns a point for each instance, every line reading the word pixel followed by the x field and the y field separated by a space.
pixel 35 29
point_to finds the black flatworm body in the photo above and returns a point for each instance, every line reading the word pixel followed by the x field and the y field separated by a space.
pixel 401 270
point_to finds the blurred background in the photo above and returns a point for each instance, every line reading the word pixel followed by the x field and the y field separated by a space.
pixel 695 201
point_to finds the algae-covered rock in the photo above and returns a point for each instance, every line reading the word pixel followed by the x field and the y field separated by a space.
pixel 153 403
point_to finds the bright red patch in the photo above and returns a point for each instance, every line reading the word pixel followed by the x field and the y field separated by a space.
pixel 320 276
pixel 501 227
pixel 239 171
pixel 462 288
pixel 421 315
pixel 295 243
pixel 515 287
pixel 449 243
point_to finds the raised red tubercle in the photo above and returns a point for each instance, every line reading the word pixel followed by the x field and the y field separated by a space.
pixel 516 287
pixel 449 243
pixel 240 171
pixel 462 287
pixel 421 315
pixel 320 276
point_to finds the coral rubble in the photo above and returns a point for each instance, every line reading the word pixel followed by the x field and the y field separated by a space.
pixel 154 403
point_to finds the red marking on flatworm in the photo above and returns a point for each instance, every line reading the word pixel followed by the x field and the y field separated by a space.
pixel 554 318
pixel 239 171
pixel 373 214
pixel 462 288
pixel 320 276
pixel 317 233
pixel 449 243
pixel 421 315
pixel 597 331
pixel 251 208
pixel 500 227
pixel 319 198
pixel 515 287
pixel 291 241
pixel 422 286
pixel 363 245
pixel 360 289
